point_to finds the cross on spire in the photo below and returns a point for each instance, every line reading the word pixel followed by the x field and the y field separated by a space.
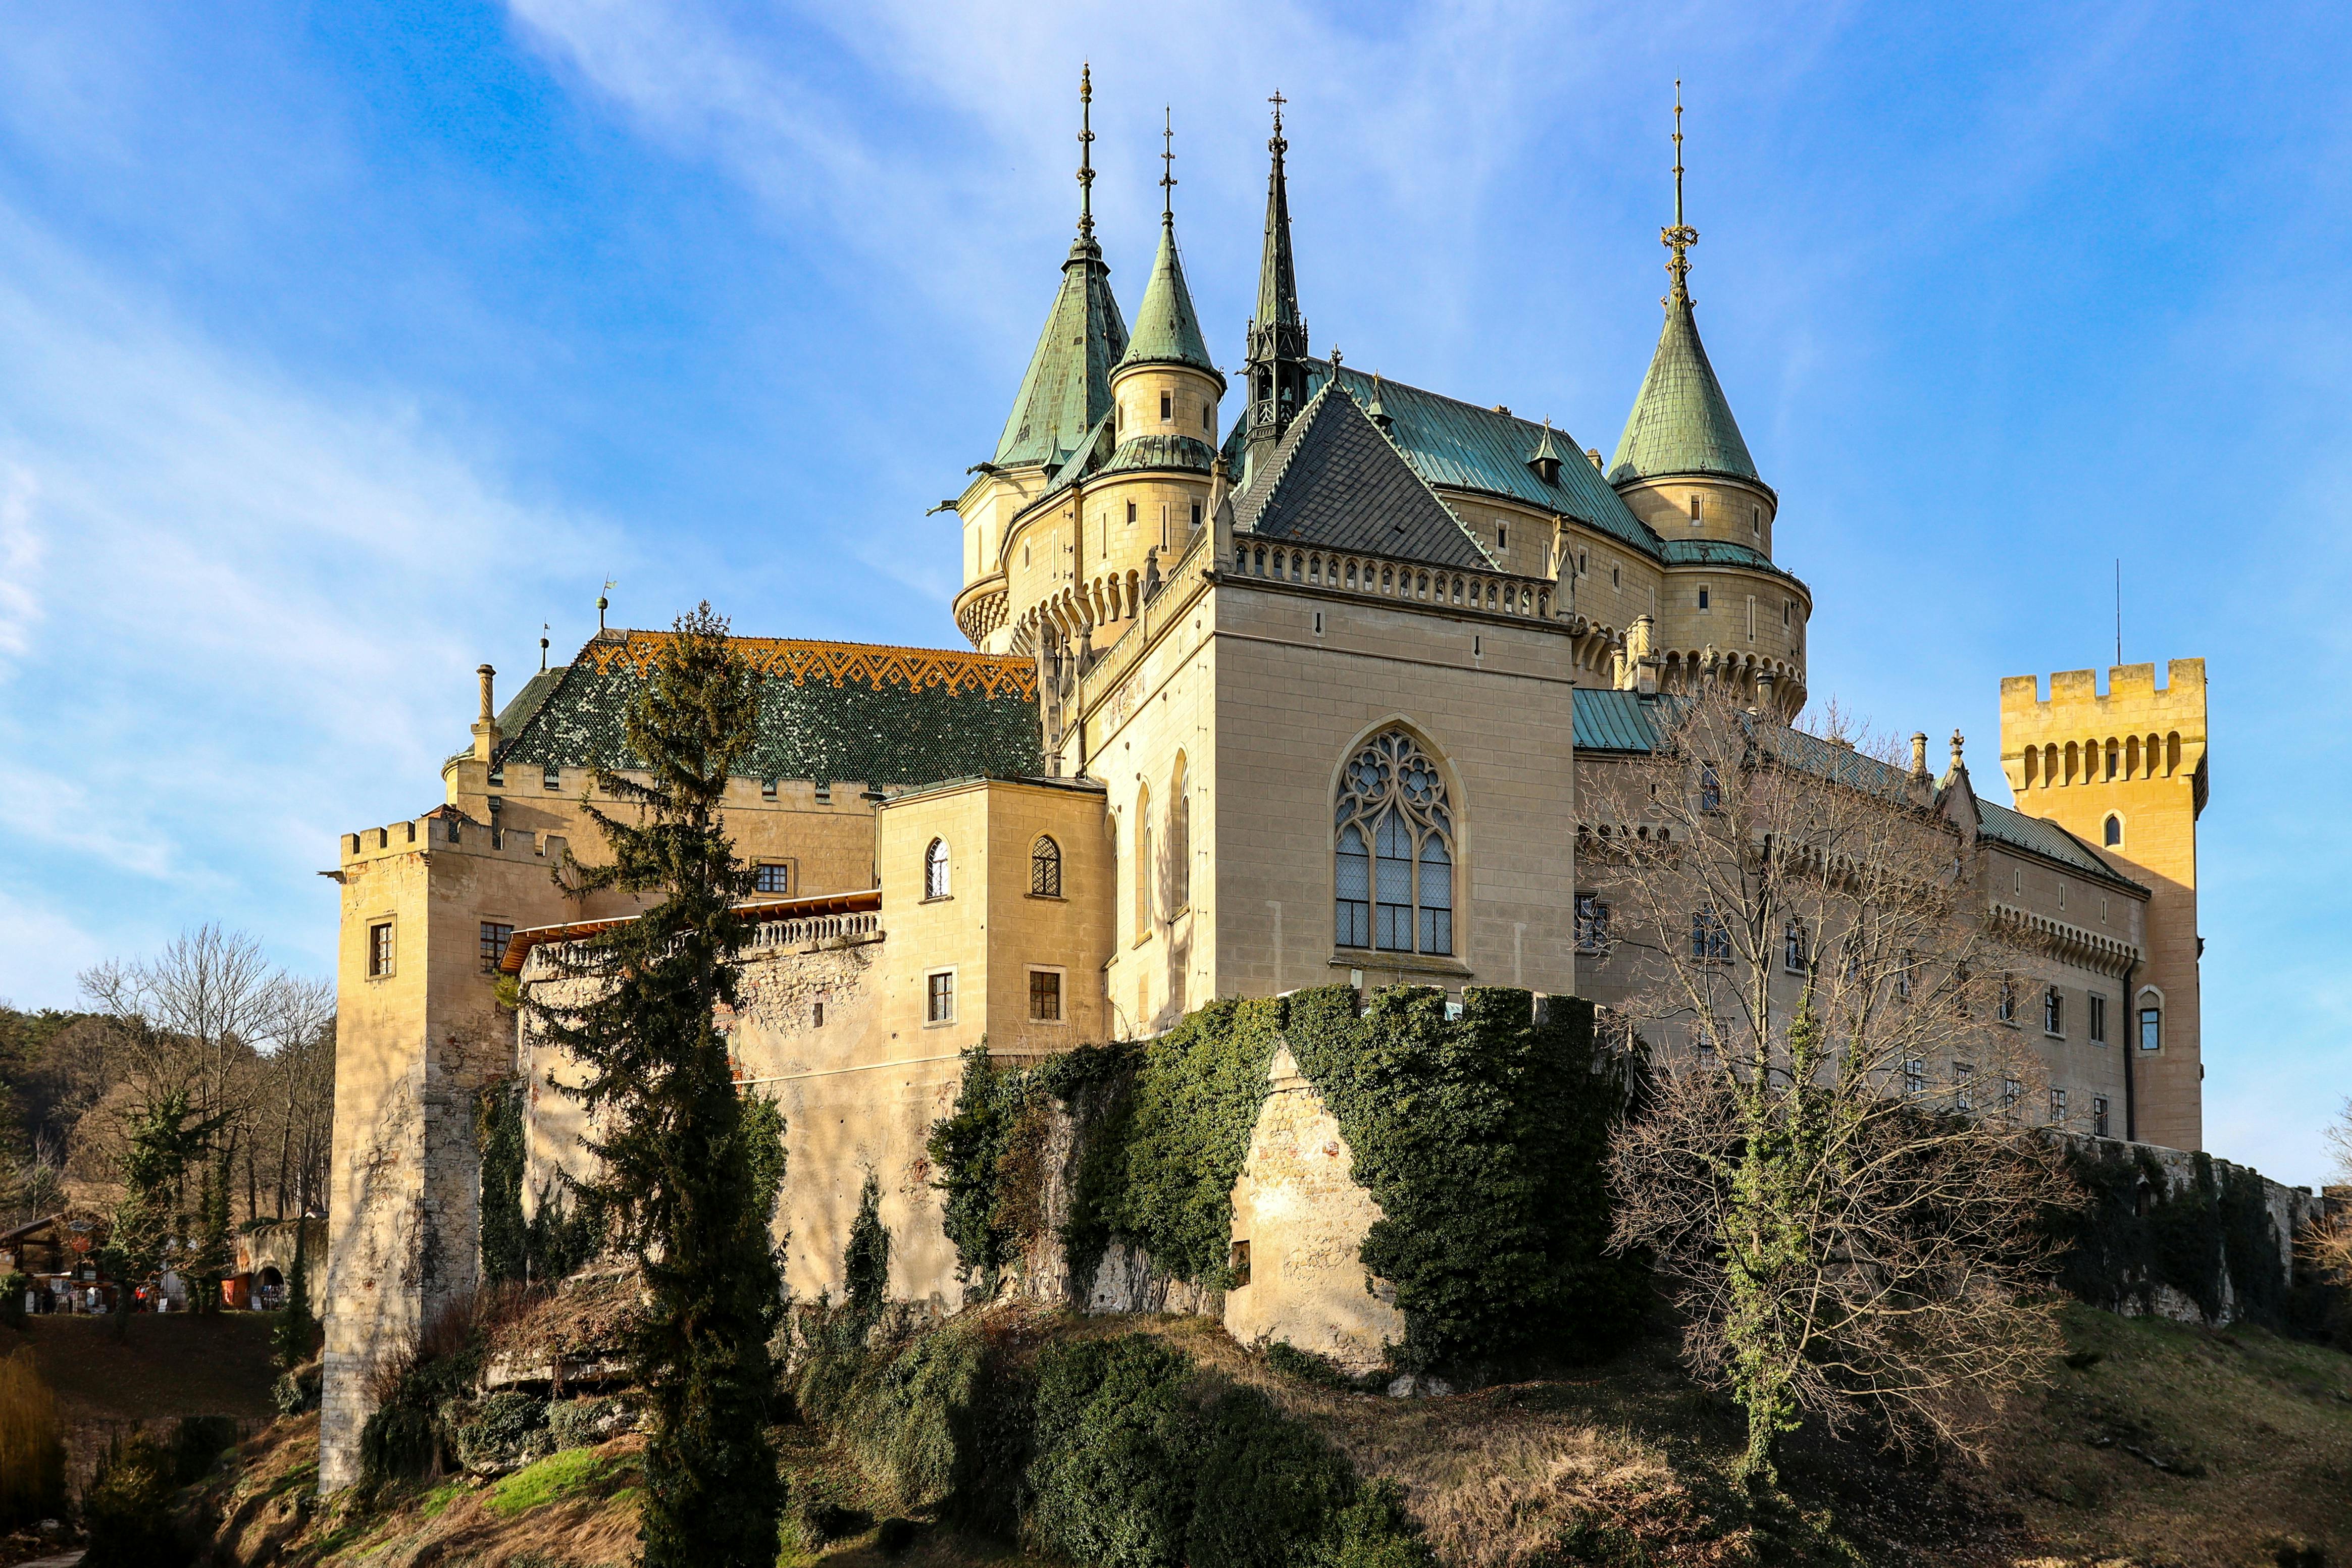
pixel 1167 167
pixel 1086 153
pixel 1278 145
pixel 1682 237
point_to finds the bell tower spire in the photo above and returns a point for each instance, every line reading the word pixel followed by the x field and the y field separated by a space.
pixel 1682 237
pixel 1277 333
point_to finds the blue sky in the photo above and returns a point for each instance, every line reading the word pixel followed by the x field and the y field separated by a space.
pixel 342 345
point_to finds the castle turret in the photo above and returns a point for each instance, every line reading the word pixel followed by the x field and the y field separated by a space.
pixel 1277 333
pixel 2126 773
pixel 1682 465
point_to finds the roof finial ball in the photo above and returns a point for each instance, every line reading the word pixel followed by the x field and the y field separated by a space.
pixel 1957 742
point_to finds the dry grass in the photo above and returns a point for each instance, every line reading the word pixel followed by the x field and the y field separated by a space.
pixel 2187 1446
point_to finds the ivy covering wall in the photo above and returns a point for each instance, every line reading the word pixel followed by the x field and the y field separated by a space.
pixel 1481 1137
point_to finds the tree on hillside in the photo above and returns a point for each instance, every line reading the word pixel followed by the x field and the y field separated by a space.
pixel 2329 1243
pixel 680 1176
pixel 1835 1163
pixel 164 1137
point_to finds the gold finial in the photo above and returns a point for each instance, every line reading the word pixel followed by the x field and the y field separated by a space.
pixel 1087 151
pixel 1167 166
pixel 1682 237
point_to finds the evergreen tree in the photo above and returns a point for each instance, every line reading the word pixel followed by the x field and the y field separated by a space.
pixel 679 1173
pixel 298 1331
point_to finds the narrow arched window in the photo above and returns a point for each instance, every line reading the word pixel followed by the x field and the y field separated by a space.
pixel 1145 867
pixel 2114 831
pixel 1394 850
pixel 1045 868
pixel 935 870
pixel 1180 840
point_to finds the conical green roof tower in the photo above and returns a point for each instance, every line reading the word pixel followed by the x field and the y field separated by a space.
pixel 1681 423
pixel 1167 331
pixel 1066 390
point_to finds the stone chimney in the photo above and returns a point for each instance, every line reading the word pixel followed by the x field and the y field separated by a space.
pixel 1919 753
pixel 486 728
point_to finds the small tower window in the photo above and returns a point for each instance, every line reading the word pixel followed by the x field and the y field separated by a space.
pixel 2114 831
pixel 1788 612
pixel 1613 578
pixel 1130 513
pixel 1168 407
pixel 1694 511
pixel 1756 521
pixel 1502 536
pixel 1702 596
pixel 1196 513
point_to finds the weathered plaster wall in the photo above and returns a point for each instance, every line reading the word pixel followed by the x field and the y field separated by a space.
pixel 1299 1209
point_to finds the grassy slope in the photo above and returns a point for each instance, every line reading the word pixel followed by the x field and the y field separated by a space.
pixel 1629 1461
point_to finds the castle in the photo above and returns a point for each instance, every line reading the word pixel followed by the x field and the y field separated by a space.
pixel 1301 691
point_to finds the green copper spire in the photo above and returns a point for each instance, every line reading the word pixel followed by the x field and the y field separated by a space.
pixel 1066 390
pixel 1167 331
pixel 1681 423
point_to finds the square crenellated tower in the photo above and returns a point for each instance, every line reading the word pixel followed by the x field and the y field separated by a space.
pixel 2125 772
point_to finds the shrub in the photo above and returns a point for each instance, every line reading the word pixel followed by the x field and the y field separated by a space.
pixel 1119 1446
pixel 198 1443
pixel 502 1432
pixel 584 1423
pixel 1265 1483
pixel 12 1287
pixel 127 1509
pixel 32 1446
pixel 296 1393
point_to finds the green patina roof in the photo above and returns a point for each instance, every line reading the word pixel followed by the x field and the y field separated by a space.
pixel 1067 387
pixel 1626 722
pixel 1681 423
pixel 1167 332
pixel 828 711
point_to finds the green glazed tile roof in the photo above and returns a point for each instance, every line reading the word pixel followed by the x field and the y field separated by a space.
pixel 1612 721
pixel 1336 481
pixel 1719 552
pixel 1457 444
pixel 1681 423
pixel 1068 386
pixel 828 711
pixel 1189 453
pixel 1167 332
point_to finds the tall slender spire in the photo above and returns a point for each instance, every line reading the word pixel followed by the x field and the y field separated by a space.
pixel 1167 329
pixel 1086 160
pixel 1277 334
pixel 1067 391
pixel 1681 422
pixel 1682 237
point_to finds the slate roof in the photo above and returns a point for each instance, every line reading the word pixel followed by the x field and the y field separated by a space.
pixel 1625 722
pixel 1067 388
pixel 1335 480
pixel 1681 422
pixel 1461 446
pixel 1167 331
pixel 1721 552
pixel 828 711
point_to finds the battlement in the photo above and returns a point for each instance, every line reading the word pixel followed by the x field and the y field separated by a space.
pixel 442 830
pixel 2131 689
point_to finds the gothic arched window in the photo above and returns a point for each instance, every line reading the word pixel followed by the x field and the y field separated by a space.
pixel 1045 868
pixel 1145 866
pixel 935 870
pixel 1180 840
pixel 1394 859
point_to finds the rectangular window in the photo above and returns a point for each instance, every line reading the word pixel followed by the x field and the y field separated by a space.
pixel 2053 1012
pixel 825 794
pixel 767 789
pixel 1163 526
pixel 938 1002
pixel 552 777
pixel 1393 888
pixel 2005 1009
pixel 2098 1021
pixel 1502 534
pixel 1591 924
pixel 379 950
pixel 773 876
pixel 1788 612
pixel 1353 885
pixel 2151 1029
pixel 1915 1077
pixel 1710 938
pixel 1751 618
pixel 1694 511
pixel 2098 1115
pixel 1703 596
pixel 1168 407
pixel 1130 513
pixel 1793 950
pixel 2058 1106
pixel 1045 996
pixel 1237 1267
pixel 495 936
pixel 2011 1091
pixel 1196 513
pixel 1964 1086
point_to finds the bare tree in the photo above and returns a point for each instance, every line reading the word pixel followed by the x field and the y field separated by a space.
pixel 1834 1165
pixel 298 1072
pixel 2328 1244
